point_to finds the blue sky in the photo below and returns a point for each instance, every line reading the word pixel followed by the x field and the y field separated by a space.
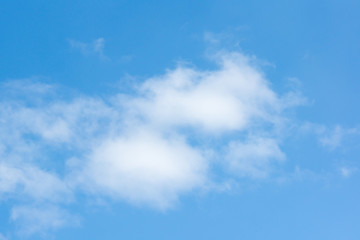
pixel 179 120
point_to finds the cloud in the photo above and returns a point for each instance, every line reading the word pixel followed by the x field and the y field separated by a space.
pixel 347 171
pixel 29 86
pixel 38 219
pixel 252 158
pixel 2 237
pixel 330 137
pixel 144 167
pixel 234 97
pixel 54 122
pixel 32 182
pixel 151 159
pixel 147 148
pixel 95 47
pixel 334 138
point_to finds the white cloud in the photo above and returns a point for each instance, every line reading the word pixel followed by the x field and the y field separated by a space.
pixel 56 122
pixel 144 167
pixel 39 134
pixel 32 182
pixel 147 148
pixel 27 86
pixel 231 98
pixel 38 219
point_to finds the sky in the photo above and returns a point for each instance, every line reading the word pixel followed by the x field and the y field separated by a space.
pixel 179 119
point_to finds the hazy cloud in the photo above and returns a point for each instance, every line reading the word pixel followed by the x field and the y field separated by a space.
pixel 95 47
pixel 252 158
pixel 330 137
pixel 347 171
pixel 37 219
pixel 2 237
pixel 32 182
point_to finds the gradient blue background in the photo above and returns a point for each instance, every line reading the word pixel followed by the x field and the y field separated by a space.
pixel 317 42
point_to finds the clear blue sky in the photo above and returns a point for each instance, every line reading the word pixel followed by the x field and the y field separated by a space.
pixel 179 119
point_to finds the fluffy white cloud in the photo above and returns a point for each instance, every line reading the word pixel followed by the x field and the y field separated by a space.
pixel 143 166
pixel 146 164
pixel 230 98
pixel 146 148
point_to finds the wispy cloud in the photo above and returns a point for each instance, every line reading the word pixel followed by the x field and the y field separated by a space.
pixel 29 181
pixel 95 47
pixel 254 157
pixel 330 137
pixel 347 171
pixel 334 137
pixel 38 219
